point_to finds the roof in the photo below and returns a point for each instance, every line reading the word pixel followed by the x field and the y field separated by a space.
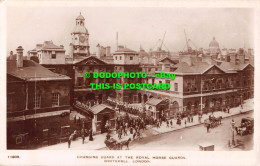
pixel 162 59
pixel 80 29
pixel 50 45
pixel 32 71
pixel 198 68
pixel 213 43
pixel 124 49
pixel 80 17
pixel 77 61
pixel 154 101
pixel 98 108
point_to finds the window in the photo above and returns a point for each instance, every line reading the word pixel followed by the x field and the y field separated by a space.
pixel 176 87
pixel 131 58
pixel 53 56
pixel 153 81
pixel 37 101
pixel 168 82
pixel 80 81
pixel 120 57
pixel 116 57
pixel 149 69
pixel 55 99
pixel 160 82
pixel 80 69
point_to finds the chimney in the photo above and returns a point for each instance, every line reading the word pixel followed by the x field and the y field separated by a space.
pixel 241 56
pixel 11 56
pixel 19 56
pixel 108 51
pixel 98 51
pixel 233 57
pixel 186 59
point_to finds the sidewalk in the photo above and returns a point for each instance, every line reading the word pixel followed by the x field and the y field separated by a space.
pixel 99 139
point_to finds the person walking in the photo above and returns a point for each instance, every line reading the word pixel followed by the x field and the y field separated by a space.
pixel 208 128
pixel 83 135
pixel 171 123
pixel 167 124
pixel 90 135
pixel 191 119
pixel 70 139
pixel 185 122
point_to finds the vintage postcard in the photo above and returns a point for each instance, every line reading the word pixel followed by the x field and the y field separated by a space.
pixel 123 83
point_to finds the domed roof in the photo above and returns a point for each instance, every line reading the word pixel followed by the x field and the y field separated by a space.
pixel 213 43
pixel 80 29
pixel 80 17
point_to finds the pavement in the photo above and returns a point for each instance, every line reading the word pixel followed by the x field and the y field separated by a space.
pixel 98 142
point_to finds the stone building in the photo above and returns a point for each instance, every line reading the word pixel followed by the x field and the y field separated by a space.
pixel 38 102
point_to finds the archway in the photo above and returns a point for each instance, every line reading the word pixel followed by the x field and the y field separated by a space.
pixel 105 119
pixel 139 98
pixel 100 98
pixel 145 98
pixel 196 107
pixel 175 107
pixel 189 107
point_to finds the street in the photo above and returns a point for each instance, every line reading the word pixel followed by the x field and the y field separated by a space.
pixel 190 138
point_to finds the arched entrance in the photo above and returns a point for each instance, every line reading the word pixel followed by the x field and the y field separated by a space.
pixel 196 107
pixel 139 98
pixel 105 119
pixel 189 107
pixel 175 107
pixel 100 98
pixel 145 98
pixel 162 113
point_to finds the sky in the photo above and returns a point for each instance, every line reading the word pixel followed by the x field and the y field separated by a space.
pixel 136 26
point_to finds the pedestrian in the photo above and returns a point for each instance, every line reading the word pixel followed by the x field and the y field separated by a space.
pixel 70 139
pixel 185 122
pixel 90 135
pixel 188 119
pixel 83 135
pixel 171 123
pixel 208 128
pixel 131 130
pixel 191 119
pixel 134 135
pixel 167 123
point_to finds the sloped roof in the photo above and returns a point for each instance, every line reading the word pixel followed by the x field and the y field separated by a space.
pixel 80 60
pixel 162 59
pixel 32 71
pixel 98 108
pixel 50 45
pixel 154 101
pixel 125 50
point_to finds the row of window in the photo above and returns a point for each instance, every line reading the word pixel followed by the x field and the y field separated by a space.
pixel 120 58
pixel 54 101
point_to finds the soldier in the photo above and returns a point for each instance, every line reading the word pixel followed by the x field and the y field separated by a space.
pixel 208 128
pixel 70 139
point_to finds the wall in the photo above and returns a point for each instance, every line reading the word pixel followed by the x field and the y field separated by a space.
pixel 46 57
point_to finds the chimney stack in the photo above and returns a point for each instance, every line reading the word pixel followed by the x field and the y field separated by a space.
pixel 19 56
pixel 108 51
pixel 11 56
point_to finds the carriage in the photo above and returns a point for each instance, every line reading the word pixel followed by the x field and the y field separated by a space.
pixel 112 144
pixel 212 121
pixel 246 127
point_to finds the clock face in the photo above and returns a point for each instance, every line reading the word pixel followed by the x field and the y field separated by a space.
pixel 82 39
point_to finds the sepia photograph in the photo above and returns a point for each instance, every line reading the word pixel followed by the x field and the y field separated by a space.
pixel 130 79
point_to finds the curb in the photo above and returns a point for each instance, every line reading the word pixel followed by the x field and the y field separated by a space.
pixel 246 112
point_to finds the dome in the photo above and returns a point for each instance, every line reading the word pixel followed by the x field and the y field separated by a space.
pixel 213 43
pixel 80 17
pixel 80 29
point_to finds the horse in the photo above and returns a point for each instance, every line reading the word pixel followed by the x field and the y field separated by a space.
pixel 125 143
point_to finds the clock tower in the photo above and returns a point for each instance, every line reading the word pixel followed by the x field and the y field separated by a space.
pixel 79 47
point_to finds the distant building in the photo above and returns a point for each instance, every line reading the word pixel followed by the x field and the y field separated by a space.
pixel 79 46
pixel 214 49
pixel 37 99
pixel 48 53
